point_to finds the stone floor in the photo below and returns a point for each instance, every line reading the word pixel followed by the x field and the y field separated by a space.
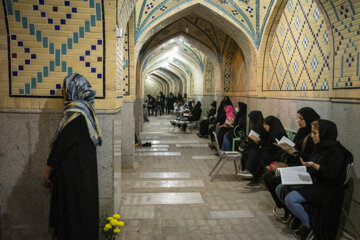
pixel 170 196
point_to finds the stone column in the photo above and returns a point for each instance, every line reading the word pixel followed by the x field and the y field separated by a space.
pixel 138 111
pixel 127 134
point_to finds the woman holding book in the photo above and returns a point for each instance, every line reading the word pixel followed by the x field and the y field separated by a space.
pixel 304 146
pixel 327 168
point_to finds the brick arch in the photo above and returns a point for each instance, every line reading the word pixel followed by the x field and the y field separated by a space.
pixel 210 14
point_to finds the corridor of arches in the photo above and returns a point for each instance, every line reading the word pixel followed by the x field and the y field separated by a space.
pixel 276 56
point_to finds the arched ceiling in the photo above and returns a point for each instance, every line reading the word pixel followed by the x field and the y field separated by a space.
pixel 175 61
pixel 194 27
pixel 248 15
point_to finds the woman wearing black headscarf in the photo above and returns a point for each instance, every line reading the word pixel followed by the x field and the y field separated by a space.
pixel 195 115
pixel 256 121
pixel 266 152
pixel 204 124
pixel 304 146
pixel 327 168
pixel 72 165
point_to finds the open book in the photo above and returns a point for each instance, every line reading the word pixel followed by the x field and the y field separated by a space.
pixel 254 136
pixel 294 175
pixel 285 143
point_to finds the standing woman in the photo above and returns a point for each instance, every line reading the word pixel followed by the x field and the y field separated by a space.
pixel 72 165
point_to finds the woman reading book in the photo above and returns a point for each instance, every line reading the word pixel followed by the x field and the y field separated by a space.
pixel 327 168
pixel 304 146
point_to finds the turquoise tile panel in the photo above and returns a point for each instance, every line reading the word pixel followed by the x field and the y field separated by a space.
pixel 93 20
pixel 9 7
pixel 33 82
pixel 17 16
pixel 24 22
pixel 98 12
pixel 38 35
pixel 21 91
pixel 70 70
pixel 45 42
pixel 57 57
pixel 63 66
pixel 27 88
pixel 81 32
pixel 52 66
pixel 76 37
pixel 39 77
pixel 91 3
pixel 46 71
pixel 63 49
pixel 87 26
pixel 69 43
pixel 32 29
pixel 51 48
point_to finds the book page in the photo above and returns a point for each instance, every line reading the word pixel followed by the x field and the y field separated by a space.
pixel 254 136
pixel 295 176
pixel 287 141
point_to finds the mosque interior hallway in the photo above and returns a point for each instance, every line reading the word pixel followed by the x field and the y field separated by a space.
pixel 170 196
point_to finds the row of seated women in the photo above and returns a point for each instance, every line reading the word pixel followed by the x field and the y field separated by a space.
pixel 315 207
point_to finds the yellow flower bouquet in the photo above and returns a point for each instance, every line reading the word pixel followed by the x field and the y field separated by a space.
pixel 112 226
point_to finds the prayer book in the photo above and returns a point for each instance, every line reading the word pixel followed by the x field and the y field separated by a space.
pixel 285 143
pixel 254 136
pixel 294 175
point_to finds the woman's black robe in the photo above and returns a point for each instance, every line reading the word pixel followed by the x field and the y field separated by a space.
pixel 74 212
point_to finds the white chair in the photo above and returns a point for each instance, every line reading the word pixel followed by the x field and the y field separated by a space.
pixel 224 157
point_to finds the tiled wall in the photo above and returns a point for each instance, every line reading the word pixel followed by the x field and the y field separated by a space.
pixel 48 41
pixel 209 77
pixel 298 56
pixel 344 17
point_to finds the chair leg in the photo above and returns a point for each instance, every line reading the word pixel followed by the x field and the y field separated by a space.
pixel 236 166
pixel 215 167
pixel 218 170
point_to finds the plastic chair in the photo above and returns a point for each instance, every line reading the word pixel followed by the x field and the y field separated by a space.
pixel 224 157
pixel 237 137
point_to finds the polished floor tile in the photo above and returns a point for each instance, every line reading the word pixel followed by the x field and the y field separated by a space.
pixel 231 214
pixel 161 198
pixel 159 146
pixel 167 184
pixel 137 212
pixel 145 154
pixel 192 145
pixel 204 157
pixel 152 150
pixel 174 141
pixel 165 175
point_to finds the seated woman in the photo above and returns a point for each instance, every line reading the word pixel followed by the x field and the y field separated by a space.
pixel 220 118
pixel 265 152
pixel 228 125
pixel 304 146
pixel 327 168
pixel 204 124
pixel 256 123
pixel 195 115
pixel 239 126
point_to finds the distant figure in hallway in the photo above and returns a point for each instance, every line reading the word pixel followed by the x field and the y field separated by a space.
pixel 146 113
pixel 72 165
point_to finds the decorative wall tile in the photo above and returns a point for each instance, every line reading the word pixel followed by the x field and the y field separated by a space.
pixel 45 45
pixel 250 15
pixel 298 55
pixel 344 17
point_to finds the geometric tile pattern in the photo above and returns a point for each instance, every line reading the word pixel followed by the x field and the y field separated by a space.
pixel 228 61
pixel 209 73
pixel 48 40
pixel 126 73
pixel 298 58
pixel 344 17
pixel 250 15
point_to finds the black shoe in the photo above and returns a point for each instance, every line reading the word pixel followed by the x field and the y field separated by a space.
pixel 295 225
pixel 304 233
pixel 286 218
pixel 254 184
